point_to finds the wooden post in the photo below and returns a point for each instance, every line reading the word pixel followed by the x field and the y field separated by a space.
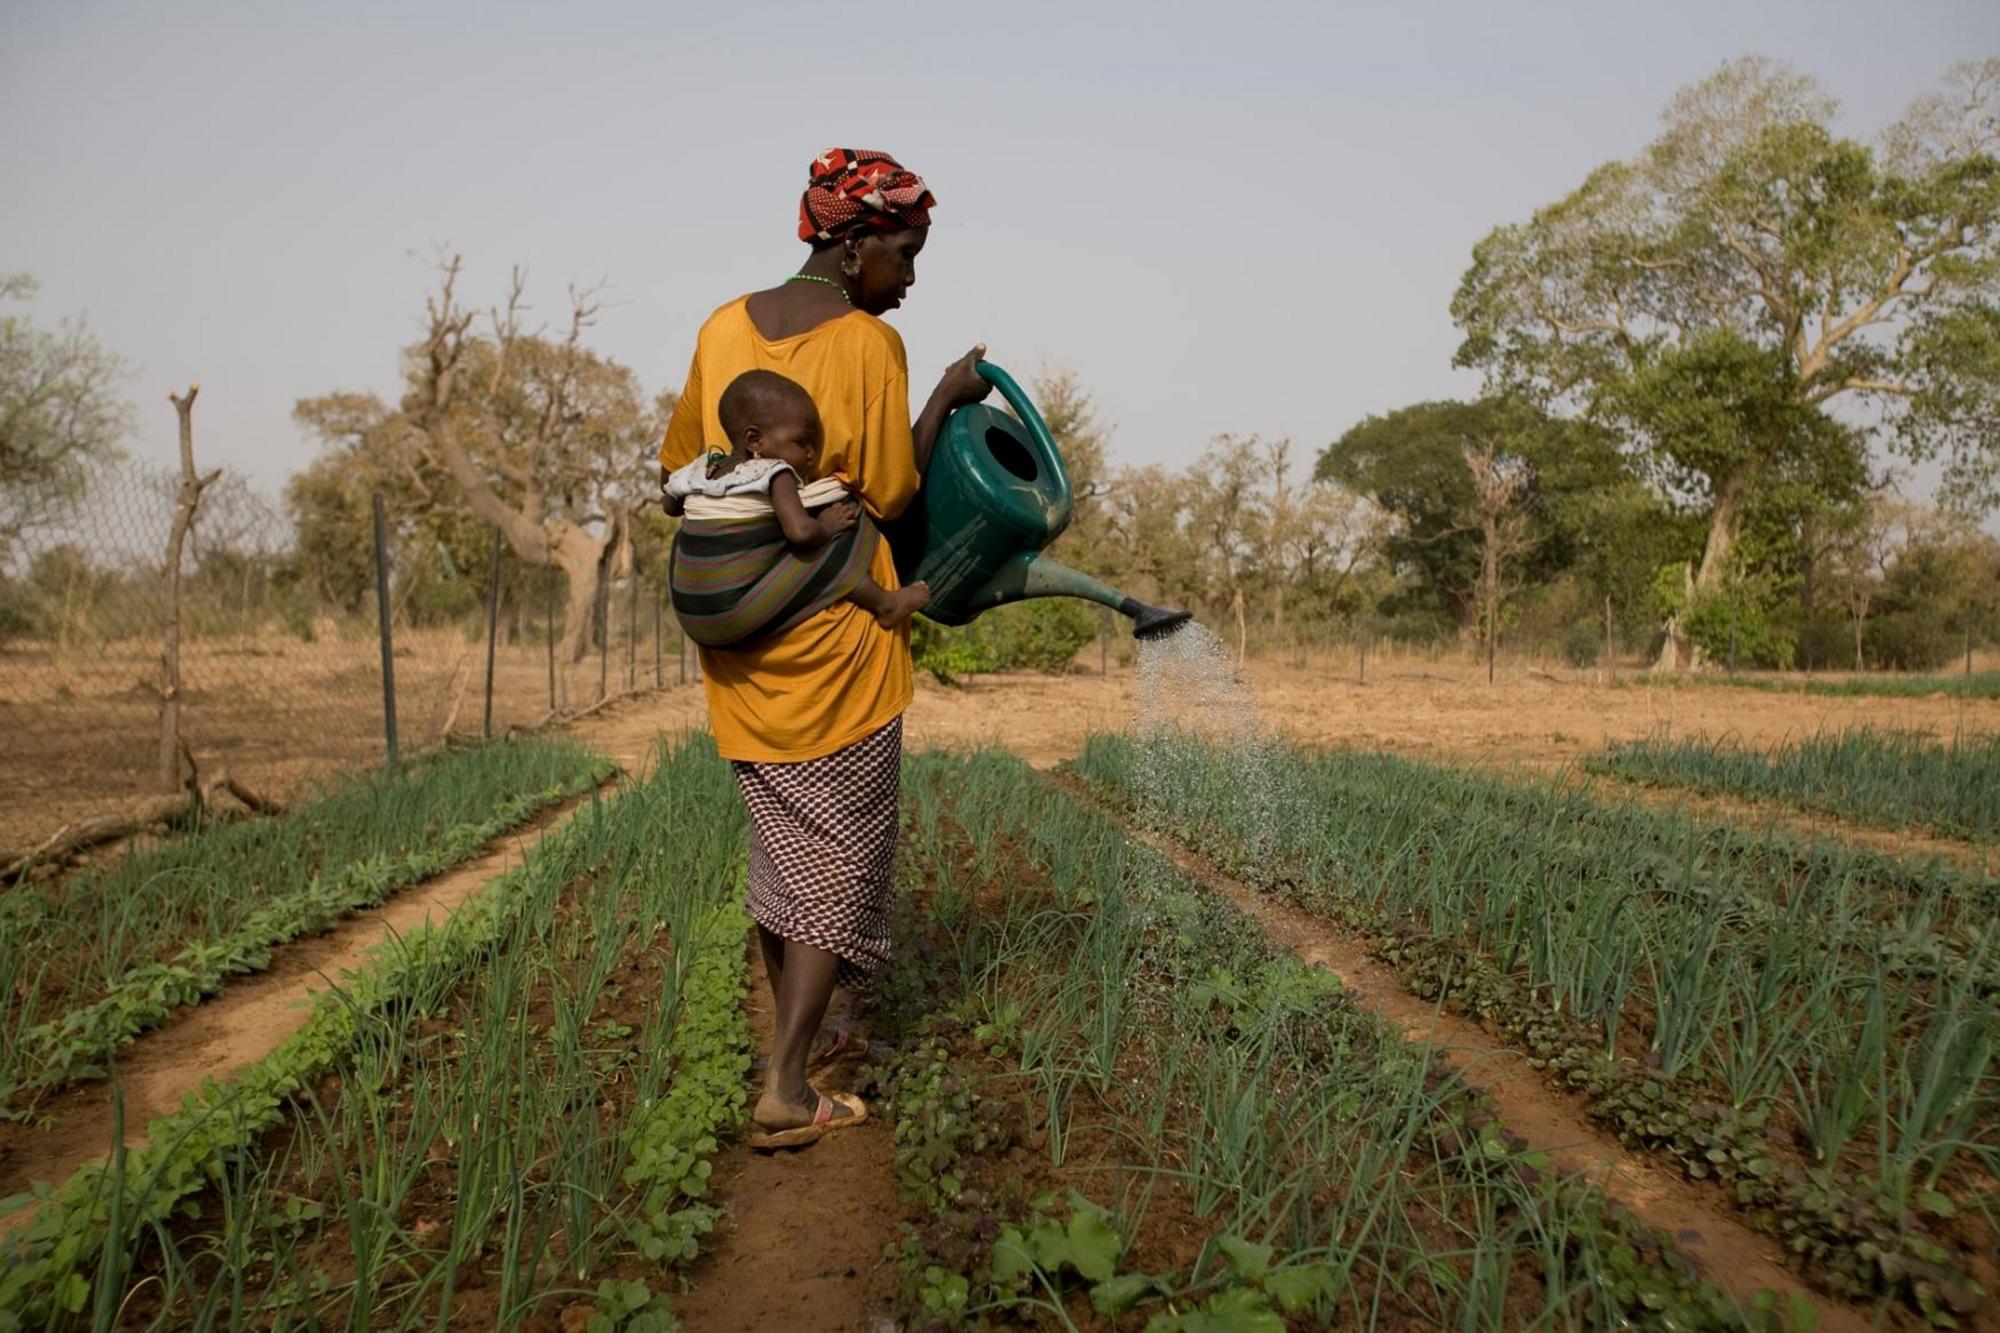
pixel 1361 654
pixel 1104 641
pixel 632 634
pixel 603 628
pixel 172 772
pixel 659 628
pixel 1492 634
pixel 1610 657
pixel 382 620
pixel 681 648
pixel 1968 645
pixel 550 608
pixel 492 630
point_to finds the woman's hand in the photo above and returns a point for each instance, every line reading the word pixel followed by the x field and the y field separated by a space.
pixel 962 383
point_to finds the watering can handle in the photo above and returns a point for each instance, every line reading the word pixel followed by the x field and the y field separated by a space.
pixel 1038 430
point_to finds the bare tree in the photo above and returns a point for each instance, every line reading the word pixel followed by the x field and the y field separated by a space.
pixel 1318 531
pixel 173 771
pixel 540 437
pixel 1499 485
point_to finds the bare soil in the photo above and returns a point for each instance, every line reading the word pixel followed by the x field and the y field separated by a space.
pixel 81 726
pixel 1438 710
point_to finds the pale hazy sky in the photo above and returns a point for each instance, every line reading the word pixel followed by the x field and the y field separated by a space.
pixel 1226 217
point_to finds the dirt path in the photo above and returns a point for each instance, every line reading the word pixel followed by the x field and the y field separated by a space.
pixel 801 1242
pixel 1734 1257
pixel 1805 825
pixel 221 1037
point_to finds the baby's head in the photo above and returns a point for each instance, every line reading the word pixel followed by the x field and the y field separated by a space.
pixel 766 415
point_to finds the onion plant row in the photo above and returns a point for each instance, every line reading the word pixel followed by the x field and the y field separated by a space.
pixel 1725 997
pixel 1889 779
pixel 1958 685
pixel 1177 1061
pixel 90 962
pixel 507 1116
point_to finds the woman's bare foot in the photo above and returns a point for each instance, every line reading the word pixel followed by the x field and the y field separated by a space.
pixel 774 1113
pixel 898 606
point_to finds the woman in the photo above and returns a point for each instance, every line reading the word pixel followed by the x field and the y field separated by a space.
pixel 812 721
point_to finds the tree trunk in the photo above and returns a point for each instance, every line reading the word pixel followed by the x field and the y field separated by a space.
pixel 583 558
pixel 580 558
pixel 1725 521
pixel 172 770
pixel 1860 621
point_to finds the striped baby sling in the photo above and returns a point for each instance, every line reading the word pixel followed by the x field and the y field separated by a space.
pixel 735 582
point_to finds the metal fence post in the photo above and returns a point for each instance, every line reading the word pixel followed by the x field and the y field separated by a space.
pixel 492 630
pixel 382 619
pixel 632 634
pixel 550 617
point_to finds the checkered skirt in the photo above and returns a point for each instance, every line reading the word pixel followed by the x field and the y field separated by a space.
pixel 823 848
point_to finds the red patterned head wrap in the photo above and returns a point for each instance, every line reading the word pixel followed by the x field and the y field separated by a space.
pixel 858 187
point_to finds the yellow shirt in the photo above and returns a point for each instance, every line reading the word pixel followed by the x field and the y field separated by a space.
pixel 837 676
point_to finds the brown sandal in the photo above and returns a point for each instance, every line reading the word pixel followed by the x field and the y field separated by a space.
pixel 824 1122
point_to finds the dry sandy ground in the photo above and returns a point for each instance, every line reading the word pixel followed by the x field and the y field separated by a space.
pixel 1423 710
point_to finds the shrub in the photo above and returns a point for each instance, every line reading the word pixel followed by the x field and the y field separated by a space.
pixel 1045 634
pixel 1582 643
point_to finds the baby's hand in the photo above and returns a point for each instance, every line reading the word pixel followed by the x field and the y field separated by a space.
pixel 838 517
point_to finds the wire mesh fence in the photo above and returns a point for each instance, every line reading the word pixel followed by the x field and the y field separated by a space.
pixel 281 678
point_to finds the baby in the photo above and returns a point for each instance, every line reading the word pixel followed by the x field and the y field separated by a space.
pixel 762 548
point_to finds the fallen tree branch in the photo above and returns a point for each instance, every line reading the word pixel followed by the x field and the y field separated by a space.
pixel 199 798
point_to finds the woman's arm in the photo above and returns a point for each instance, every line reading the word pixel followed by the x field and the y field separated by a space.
pixel 960 384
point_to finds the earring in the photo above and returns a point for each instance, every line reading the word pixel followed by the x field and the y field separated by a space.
pixel 851 266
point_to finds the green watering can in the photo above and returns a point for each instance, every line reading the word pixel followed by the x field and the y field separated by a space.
pixel 996 494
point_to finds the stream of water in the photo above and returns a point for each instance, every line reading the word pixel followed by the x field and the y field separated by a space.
pixel 1190 692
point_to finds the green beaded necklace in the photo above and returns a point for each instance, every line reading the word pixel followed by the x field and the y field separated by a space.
pixel 814 277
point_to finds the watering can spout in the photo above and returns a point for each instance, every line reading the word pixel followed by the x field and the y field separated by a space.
pixel 1153 622
pixel 1031 574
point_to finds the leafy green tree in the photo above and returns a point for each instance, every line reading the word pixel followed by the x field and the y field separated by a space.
pixel 1587 510
pixel 60 411
pixel 1749 274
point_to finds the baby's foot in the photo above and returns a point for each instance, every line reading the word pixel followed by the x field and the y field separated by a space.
pixel 903 603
